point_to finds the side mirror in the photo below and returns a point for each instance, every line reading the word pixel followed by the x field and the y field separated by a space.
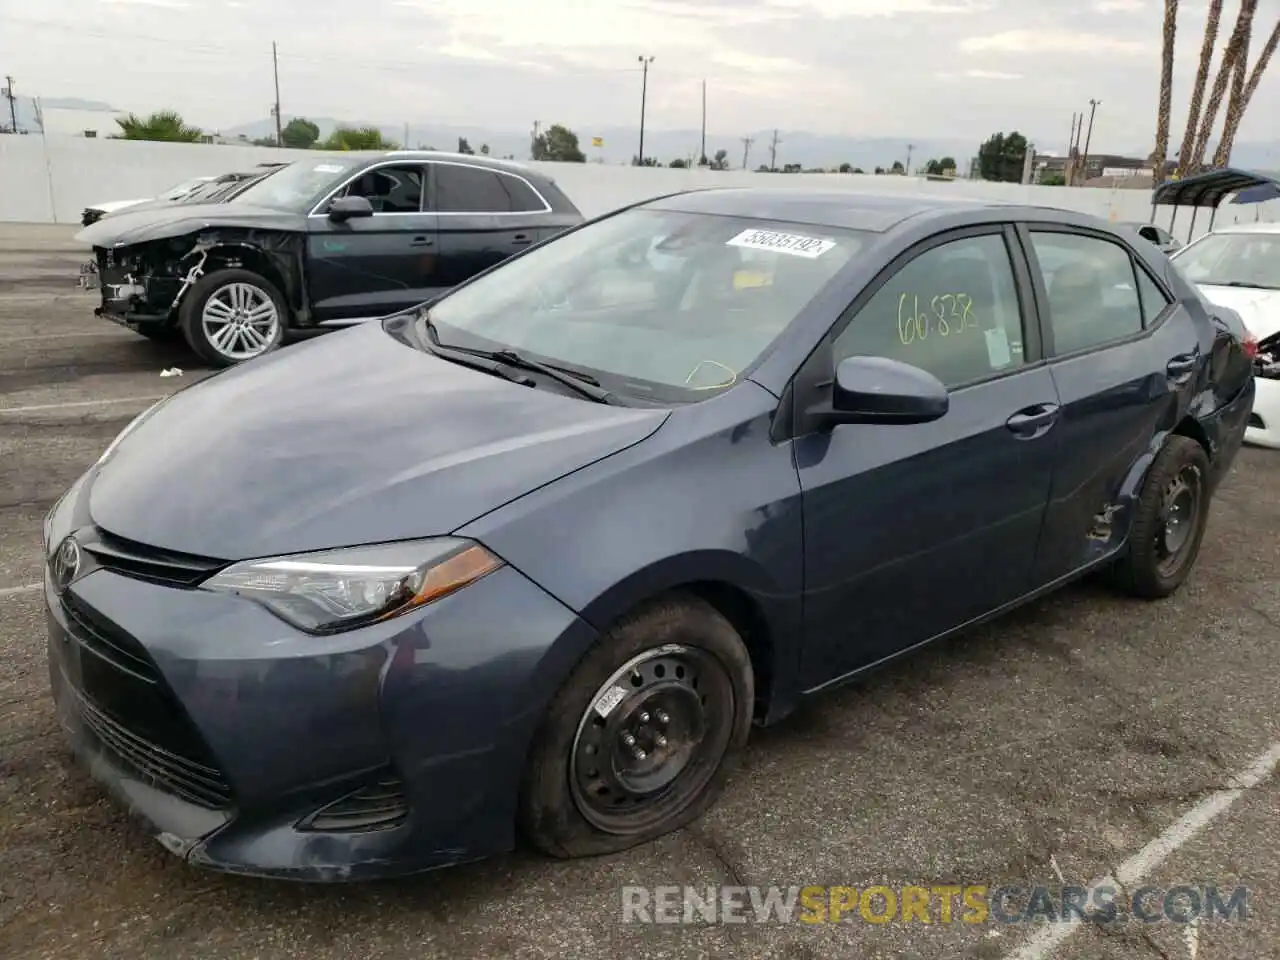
pixel 347 208
pixel 880 390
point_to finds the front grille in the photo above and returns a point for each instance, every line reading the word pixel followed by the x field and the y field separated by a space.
pixel 107 640
pixel 377 806
pixel 194 782
pixel 127 707
pixel 132 559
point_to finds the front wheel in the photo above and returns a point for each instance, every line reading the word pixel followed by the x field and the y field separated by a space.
pixel 230 316
pixel 1169 522
pixel 640 739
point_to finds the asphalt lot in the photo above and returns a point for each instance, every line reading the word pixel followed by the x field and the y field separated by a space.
pixel 1061 741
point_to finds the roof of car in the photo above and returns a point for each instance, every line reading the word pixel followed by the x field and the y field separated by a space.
pixel 474 159
pixel 848 209
pixel 1261 227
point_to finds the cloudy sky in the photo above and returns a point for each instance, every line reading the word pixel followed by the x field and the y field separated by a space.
pixel 923 68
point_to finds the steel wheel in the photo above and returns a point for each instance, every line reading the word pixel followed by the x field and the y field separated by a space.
pixel 1180 507
pixel 651 739
pixel 240 321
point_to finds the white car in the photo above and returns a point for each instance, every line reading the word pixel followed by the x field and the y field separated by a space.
pixel 96 212
pixel 1239 267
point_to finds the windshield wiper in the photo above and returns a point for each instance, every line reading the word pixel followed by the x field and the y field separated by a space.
pixel 581 383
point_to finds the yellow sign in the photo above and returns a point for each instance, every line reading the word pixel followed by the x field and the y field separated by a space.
pixel 597 141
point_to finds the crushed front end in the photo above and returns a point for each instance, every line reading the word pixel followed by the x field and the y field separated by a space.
pixel 141 283
pixel 1264 420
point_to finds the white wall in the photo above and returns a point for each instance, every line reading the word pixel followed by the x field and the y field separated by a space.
pixel 52 179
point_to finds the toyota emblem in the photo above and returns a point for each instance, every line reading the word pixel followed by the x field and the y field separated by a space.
pixel 66 562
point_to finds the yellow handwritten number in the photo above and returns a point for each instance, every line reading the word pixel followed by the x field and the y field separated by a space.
pixel 952 315
pixel 907 324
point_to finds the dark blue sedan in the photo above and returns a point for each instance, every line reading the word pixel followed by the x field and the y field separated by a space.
pixel 533 557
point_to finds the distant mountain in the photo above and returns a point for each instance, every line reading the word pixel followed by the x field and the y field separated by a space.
pixel 25 109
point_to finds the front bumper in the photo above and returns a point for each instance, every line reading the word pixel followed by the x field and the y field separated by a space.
pixel 1264 422
pixel 225 732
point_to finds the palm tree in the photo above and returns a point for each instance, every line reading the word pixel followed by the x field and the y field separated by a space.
pixel 162 125
pixel 1166 91
pixel 1236 106
pixel 1237 49
pixel 1197 92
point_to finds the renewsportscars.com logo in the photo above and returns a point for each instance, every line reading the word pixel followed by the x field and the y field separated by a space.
pixel 939 904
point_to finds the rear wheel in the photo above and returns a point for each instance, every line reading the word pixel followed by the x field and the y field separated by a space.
pixel 642 736
pixel 230 316
pixel 1169 522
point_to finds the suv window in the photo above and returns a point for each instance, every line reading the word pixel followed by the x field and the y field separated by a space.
pixel 953 311
pixel 1093 296
pixel 389 189
pixel 463 189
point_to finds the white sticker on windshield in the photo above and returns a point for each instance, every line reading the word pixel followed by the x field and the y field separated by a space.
pixel 329 168
pixel 792 243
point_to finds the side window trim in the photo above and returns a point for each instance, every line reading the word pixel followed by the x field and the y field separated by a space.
pixel 436 164
pixel 317 210
pixel 815 373
pixel 1140 270
pixel 1041 292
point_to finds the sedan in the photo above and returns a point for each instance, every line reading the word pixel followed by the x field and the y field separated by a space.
pixel 1238 268
pixel 534 557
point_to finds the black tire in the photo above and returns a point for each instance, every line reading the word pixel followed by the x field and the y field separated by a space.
pixel 1155 566
pixel 558 814
pixel 191 311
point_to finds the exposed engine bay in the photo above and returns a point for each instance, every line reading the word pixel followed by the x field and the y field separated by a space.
pixel 145 283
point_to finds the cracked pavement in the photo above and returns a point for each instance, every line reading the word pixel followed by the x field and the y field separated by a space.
pixel 1064 737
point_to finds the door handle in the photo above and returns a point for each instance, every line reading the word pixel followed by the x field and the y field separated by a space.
pixel 421 242
pixel 520 239
pixel 1033 421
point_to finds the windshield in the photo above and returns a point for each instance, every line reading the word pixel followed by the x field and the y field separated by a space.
pixel 1225 259
pixel 183 188
pixel 297 185
pixel 657 304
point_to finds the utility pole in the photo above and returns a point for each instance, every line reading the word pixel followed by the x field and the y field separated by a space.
pixel 275 69
pixel 773 151
pixel 746 150
pixel 644 92
pixel 533 142
pixel 13 109
pixel 1084 161
pixel 907 169
pixel 1066 170
pixel 406 136
pixel 702 157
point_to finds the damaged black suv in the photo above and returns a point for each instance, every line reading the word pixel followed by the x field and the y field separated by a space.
pixel 323 242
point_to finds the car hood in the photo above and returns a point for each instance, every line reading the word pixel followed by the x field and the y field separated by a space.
pixel 113 205
pixel 178 219
pixel 354 437
pixel 1259 309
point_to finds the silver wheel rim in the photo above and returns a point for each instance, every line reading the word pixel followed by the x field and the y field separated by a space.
pixel 240 321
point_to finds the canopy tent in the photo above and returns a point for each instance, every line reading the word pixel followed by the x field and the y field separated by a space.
pixel 1210 189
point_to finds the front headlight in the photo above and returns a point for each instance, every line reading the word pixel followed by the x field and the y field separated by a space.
pixel 129 428
pixel 338 590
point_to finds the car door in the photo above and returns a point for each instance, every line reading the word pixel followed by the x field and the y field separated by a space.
pixel 368 267
pixel 912 530
pixel 486 215
pixel 1125 359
